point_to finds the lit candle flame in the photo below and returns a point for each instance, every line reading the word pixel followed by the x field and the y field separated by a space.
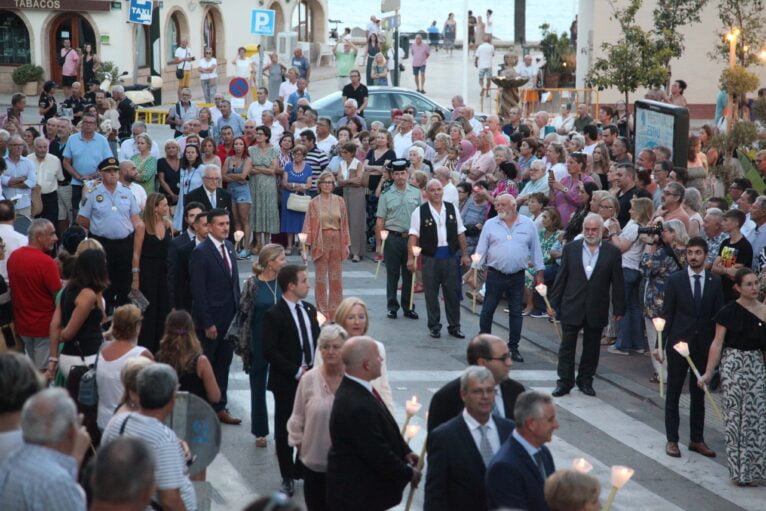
pixel 659 324
pixel 302 236
pixel 238 235
pixel 682 348
pixel 416 251
pixel 582 465
pixel 412 406
pixel 384 235
pixel 542 290
pixel 621 475
pixel 412 431
pixel 321 318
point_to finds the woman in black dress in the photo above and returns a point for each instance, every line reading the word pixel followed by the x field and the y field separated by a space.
pixel 47 103
pixel 373 48
pixel 90 63
pixel 380 155
pixel 153 269
pixel 168 171
pixel 739 344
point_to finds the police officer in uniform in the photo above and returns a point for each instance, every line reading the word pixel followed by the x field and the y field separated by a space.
pixel 111 215
pixel 395 208
pixel 437 228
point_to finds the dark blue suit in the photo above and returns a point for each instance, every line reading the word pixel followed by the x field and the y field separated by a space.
pixel 215 298
pixel 514 480
pixel 455 478
pixel 179 253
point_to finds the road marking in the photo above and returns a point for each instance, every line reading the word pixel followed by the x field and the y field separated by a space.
pixel 649 442
pixel 228 485
pixel 445 376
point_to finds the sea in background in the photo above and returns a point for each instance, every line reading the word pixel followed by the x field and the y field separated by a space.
pixel 418 14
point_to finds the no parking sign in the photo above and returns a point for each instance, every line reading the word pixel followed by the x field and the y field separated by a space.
pixel 238 87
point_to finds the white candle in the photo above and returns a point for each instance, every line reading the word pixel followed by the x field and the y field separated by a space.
pixel 238 235
pixel 542 290
pixel 302 236
pixel 412 406
pixel 321 318
pixel 384 235
pixel 411 432
pixel 416 251
pixel 682 348
pixel 621 475
pixel 476 258
pixel 582 465
pixel 659 324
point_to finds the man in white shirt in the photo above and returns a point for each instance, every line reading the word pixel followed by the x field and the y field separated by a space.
pixel 372 26
pixel 276 129
pixel 49 173
pixel 215 111
pixel 325 139
pixel 290 85
pixel 528 70
pixel 483 63
pixel 128 147
pixel 443 174
pixel 10 237
pixel 128 175
pixel 403 138
pixel 257 107
pixel 183 60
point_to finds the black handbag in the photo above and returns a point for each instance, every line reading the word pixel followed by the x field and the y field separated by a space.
pixel 179 73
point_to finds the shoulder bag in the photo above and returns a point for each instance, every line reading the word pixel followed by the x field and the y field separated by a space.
pixel 180 67
pixel 298 202
pixel 62 59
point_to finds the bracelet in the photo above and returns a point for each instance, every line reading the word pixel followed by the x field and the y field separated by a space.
pixel 135 270
pixel 53 359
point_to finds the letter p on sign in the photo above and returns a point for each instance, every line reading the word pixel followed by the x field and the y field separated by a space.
pixel 262 22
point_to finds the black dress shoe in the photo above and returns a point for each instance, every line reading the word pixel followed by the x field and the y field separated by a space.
pixel 455 332
pixel 435 333
pixel 287 487
pixel 587 389
pixel 391 315
pixel 516 356
pixel 560 390
pixel 411 315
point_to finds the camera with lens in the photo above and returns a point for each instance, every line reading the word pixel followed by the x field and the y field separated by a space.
pixel 655 229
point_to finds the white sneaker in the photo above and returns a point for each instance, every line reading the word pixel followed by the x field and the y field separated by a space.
pixel 616 351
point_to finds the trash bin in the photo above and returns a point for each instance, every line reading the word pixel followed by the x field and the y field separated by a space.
pixel 404 44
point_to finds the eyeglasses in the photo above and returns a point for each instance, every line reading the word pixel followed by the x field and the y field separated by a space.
pixel 502 358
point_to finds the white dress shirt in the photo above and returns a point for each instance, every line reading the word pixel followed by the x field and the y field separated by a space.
pixel 441 223
pixel 139 193
pixel 492 434
pixel 12 240
pixel 218 245
pixel 307 322
pixel 256 109
pixel 450 195
pixel 691 274
pixel 49 172
pixel 363 383
pixel 499 403
pixel 402 144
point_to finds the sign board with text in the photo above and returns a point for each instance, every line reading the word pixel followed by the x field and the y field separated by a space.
pixel 262 22
pixel 391 22
pixel 662 124
pixel 390 5
pixel 57 5
pixel 140 12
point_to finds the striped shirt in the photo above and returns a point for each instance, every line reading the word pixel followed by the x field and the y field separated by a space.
pixel 38 478
pixel 318 161
pixel 170 468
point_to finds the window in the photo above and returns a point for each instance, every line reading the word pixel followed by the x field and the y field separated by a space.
pixel 14 40
pixel 142 45
pixel 377 101
pixel 208 32
pixel 174 36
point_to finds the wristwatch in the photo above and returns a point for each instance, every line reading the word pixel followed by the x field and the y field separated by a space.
pixel 565 190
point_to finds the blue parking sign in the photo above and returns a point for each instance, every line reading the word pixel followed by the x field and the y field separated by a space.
pixel 262 22
pixel 140 12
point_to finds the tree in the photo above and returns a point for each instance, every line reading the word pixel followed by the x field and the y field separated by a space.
pixel 636 60
pixel 749 17
pixel 669 16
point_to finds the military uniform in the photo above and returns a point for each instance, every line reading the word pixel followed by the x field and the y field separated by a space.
pixel 395 208
pixel 110 223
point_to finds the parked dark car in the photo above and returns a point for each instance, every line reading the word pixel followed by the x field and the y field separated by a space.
pixel 380 103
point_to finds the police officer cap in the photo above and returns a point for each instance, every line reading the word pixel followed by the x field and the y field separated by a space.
pixel 108 164
pixel 399 164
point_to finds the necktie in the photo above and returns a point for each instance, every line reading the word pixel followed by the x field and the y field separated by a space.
pixel 212 199
pixel 540 464
pixel 225 258
pixel 495 409
pixel 378 397
pixel 697 293
pixel 304 335
pixel 485 449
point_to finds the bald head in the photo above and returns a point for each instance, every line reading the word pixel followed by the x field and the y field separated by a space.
pixel 361 357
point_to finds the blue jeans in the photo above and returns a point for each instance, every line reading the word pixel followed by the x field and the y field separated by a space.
pixel 512 286
pixel 630 329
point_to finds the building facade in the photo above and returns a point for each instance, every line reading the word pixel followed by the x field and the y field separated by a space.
pixel 33 31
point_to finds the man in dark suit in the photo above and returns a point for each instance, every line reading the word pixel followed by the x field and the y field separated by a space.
pixel 590 270
pixel 692 298
pixel 460 449
pixel 517 473
pixel 488 351
pixel 215 298
pixel 369 464
pixel 179 252
pixel 289 344
pixel 210 194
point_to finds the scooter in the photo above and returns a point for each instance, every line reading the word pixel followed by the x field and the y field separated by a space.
pixel 139 94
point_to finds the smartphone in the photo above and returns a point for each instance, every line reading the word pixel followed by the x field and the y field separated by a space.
pixel 550 174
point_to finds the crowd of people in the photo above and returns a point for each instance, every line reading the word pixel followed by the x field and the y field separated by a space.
pixel 130 267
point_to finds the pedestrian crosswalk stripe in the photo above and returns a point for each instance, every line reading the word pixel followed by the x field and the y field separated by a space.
pixel 522 375
pixel 649 442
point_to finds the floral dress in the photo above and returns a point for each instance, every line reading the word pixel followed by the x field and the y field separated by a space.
pixel 264 213
pixel 506 186
pixel 547 240
pixel 656 269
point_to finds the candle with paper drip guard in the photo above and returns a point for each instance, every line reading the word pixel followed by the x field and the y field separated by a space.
pixel 620 476
pixel 411 407
pixel 238 235
pixel 411 432
pixel 475 258
pixel 383 238
pixel 415 252
pixel 419 466
pixel 542 290
pixel 321 319
pixel 659 325
pixel 302 237
pixel 581 465
pixel 683 349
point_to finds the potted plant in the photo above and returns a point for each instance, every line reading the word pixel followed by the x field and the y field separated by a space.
pixel 556 50
pixel 28 76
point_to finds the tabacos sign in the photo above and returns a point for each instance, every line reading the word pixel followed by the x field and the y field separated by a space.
pixel 54 5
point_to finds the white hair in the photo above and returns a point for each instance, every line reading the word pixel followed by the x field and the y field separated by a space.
pixel 417 150
pixel 212 168
pixel 352 102
pixel 47 416
pixel 593 217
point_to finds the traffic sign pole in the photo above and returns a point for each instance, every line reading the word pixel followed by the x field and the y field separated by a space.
pixel 396 52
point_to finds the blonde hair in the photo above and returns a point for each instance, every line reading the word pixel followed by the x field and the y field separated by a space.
pixel 420 178
pixel 267 254
pixel 179 345
pixel 566 490
pixel 325 174
pixel 146 138
pixel 88 244
pixel 644 208
pixel 344 309
pixel 129 375
pixel 126 322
